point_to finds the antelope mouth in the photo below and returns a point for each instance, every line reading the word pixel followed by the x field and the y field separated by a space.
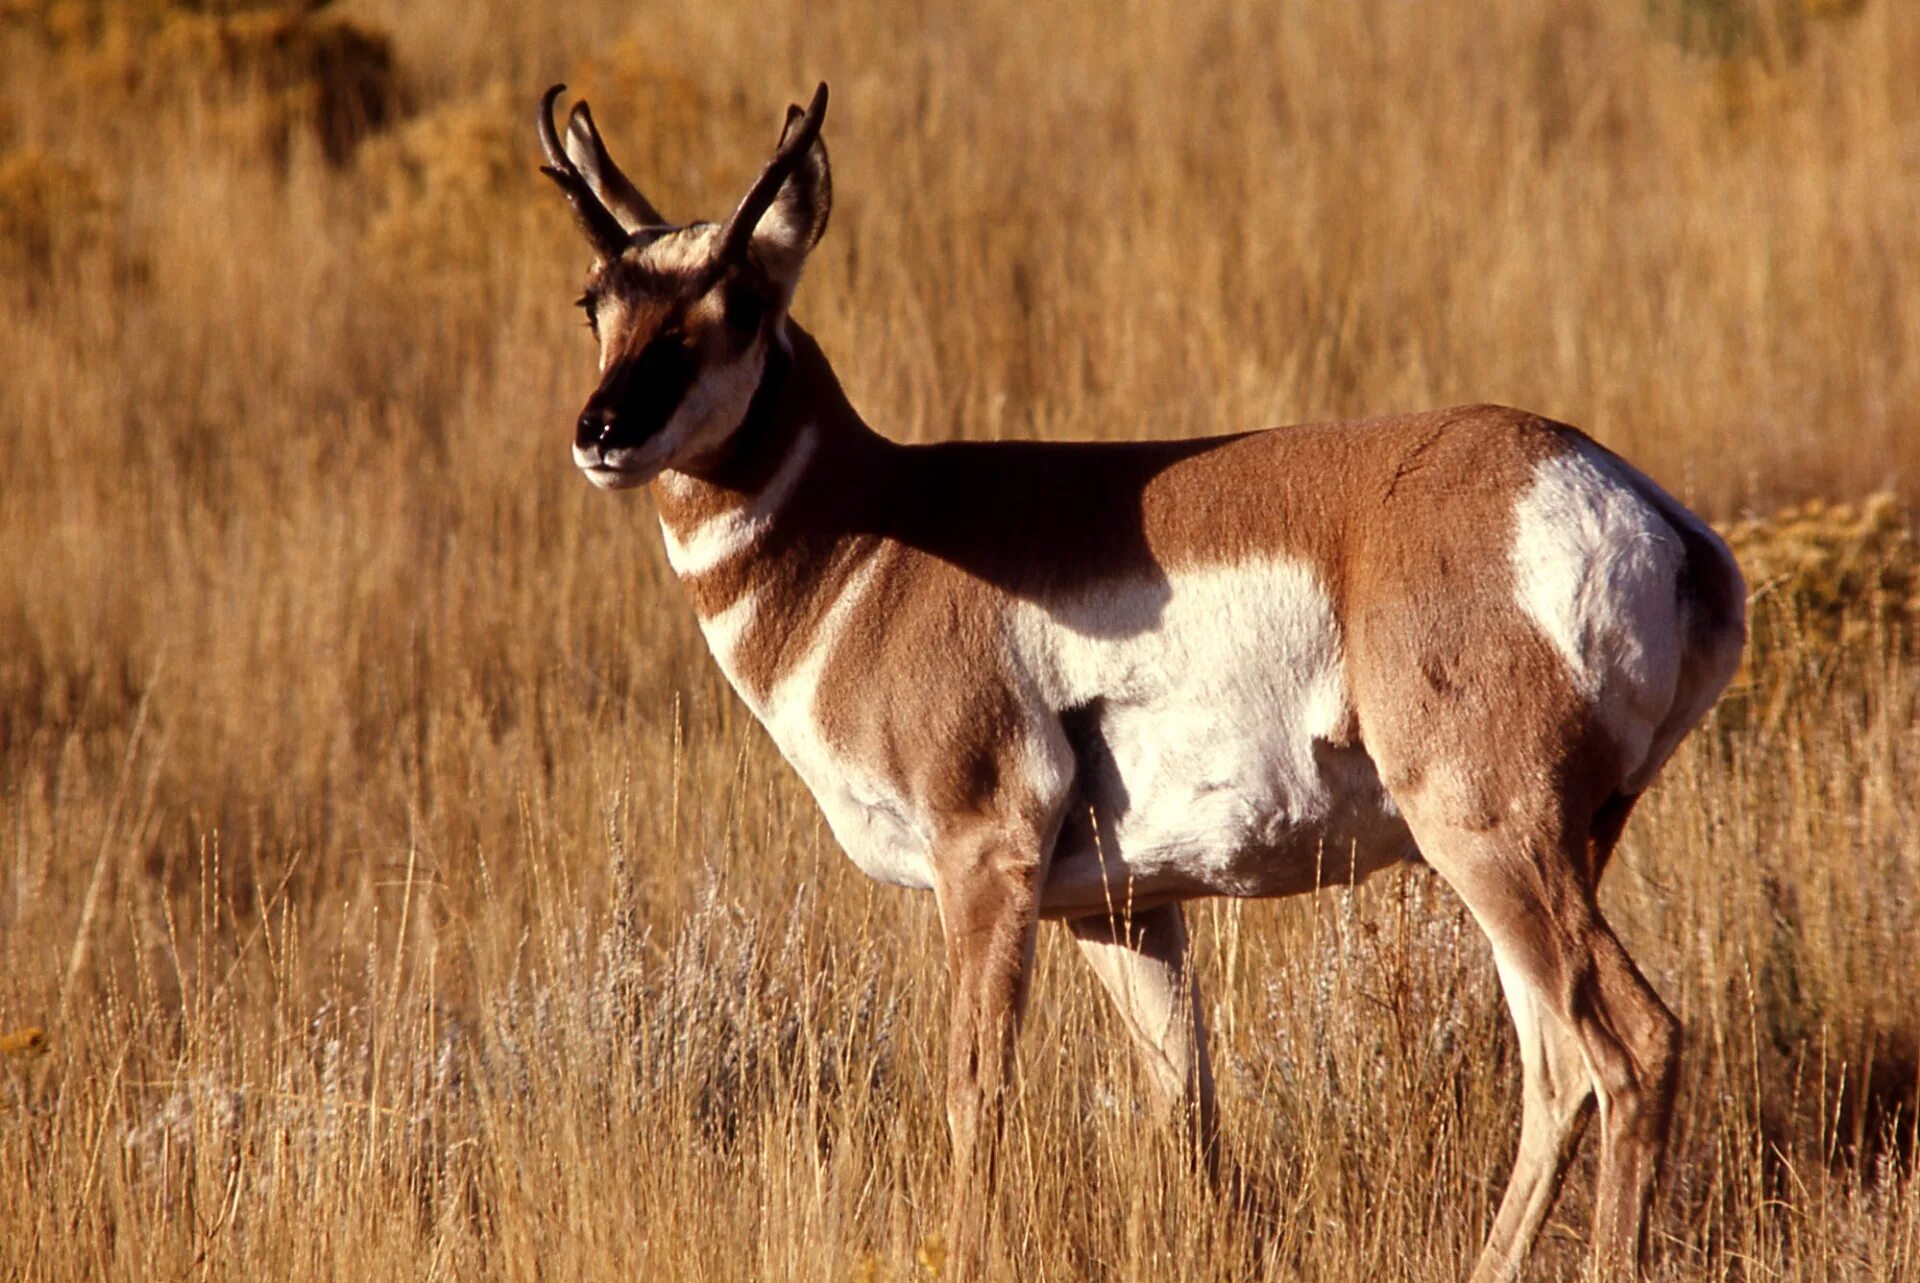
pixel 607 477
pixel 622 468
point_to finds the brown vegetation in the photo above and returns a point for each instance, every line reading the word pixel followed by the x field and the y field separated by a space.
pixel 392 888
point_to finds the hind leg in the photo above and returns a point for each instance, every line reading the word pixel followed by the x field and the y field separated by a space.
pixel 1558 1090
pixel 1557 1099
pixel 1572 989
pixel 1141 962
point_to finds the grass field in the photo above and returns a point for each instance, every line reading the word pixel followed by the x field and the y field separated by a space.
pixel 391 888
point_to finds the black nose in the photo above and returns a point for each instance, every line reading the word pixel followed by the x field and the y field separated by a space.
pixel 594 427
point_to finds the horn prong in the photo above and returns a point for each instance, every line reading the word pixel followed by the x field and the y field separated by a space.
pixel 616 191
pixel 601 227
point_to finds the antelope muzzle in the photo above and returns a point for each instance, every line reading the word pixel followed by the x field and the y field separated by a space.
pixel 621 438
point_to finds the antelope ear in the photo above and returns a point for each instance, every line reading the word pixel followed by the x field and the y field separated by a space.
pixel 615 190
pixel 797 218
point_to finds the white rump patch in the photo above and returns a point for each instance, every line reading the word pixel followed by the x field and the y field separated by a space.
pixel 726 535
pixel 1596 569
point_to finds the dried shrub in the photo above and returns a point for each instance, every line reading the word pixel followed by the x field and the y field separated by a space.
pixel 50 212
pixel 1769 31
pixel 729 1020
pixel 1829 575
pixel 458 186
pixel 268 76
pixel 281 73
pixel 451 185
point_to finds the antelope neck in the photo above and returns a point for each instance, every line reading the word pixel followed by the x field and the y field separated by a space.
pixel 767 504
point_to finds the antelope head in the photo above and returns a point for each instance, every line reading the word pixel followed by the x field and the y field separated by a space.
pixel 686 316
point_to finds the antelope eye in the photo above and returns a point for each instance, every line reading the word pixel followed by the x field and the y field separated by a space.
pixel 588 304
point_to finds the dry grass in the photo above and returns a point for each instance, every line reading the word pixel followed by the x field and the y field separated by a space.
pixel 401 895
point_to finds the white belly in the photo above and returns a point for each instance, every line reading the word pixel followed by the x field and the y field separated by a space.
pixel 1206 714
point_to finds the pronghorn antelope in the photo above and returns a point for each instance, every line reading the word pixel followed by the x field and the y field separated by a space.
pixel 1040 679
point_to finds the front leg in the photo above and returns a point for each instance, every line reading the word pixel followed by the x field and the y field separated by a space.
pixel 987 881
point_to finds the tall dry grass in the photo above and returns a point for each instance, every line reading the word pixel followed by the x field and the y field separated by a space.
pixel 400 892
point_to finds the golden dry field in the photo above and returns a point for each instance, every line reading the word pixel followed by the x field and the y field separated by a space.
pixel 390 887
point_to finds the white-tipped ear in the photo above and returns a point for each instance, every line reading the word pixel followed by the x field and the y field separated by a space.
pixel 589 154
pixel 797 218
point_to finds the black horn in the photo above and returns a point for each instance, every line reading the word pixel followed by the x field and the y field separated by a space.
pixel 601 227
pixel 738 232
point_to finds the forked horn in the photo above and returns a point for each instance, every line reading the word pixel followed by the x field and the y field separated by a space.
pixel 601 227
pixel 738 232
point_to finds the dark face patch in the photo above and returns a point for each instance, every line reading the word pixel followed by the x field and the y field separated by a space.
pixel 663 322
pixel 640 391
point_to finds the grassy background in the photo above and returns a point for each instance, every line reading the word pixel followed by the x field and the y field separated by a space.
pixel 398 891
